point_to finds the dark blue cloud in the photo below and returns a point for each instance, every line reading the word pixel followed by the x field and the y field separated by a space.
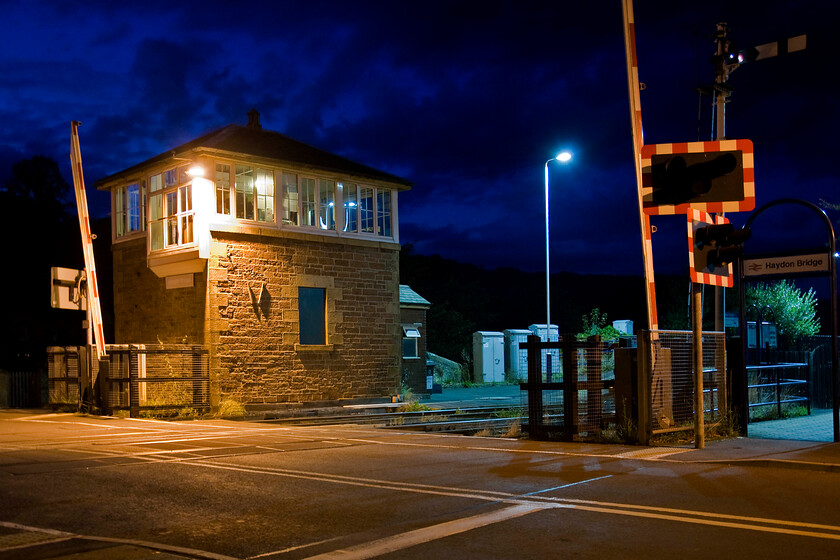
pixel 467 101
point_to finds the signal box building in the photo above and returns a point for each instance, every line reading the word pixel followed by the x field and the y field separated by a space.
pixel 280 258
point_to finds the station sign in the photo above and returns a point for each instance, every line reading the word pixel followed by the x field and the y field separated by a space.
pixel 796 264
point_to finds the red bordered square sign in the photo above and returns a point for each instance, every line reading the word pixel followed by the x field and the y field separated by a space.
pixel 717 176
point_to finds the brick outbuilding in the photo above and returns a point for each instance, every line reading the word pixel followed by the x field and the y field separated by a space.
pixel 413 309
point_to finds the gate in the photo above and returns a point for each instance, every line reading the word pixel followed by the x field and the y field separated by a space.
pixel 66 368
pixel 155 378
pixel 133 378
pixel 667 373
pixel 581 403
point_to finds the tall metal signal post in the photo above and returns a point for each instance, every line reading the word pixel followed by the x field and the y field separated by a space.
pixel 727 60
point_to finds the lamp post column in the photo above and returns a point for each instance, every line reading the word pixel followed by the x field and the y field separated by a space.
pixel 562 157
pixel 547 263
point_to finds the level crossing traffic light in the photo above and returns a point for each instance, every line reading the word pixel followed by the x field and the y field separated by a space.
pixel 722 243
pixel 713 245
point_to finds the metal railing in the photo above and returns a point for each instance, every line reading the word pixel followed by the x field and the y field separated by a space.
pixel 774 385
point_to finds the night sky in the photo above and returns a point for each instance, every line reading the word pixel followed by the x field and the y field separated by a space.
pixel 465 99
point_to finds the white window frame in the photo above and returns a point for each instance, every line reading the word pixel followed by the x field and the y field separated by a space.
pixel 174 220
pixel 224 195
pixel 260 196
pixel 411 332
pixel 367 214
pixel 129 210
pixel 299 200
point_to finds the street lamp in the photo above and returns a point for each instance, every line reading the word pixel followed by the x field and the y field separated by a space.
pixel 562 157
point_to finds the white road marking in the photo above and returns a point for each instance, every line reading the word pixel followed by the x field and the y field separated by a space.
pixel 63 535
pixel 651 512
pixel 651 452
pixel 41 542
pixel 535 492
pixel 37 416
pixel 419 536
pixel 291 548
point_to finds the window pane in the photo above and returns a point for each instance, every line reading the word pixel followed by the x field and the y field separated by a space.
pixel 187 228
pixel 245 192
pixel 222 188
pixel 186 198
pixel 156 207
pixel 290 199
pixel 119 210
pixel 351 209
pixel 326 192
pixel 157 235
pixel 265 195
pixel 366 209
pixel 171 203
pixel 156 221
pixel 383 213
pixel 172 230
pixel 156 182
pixel 134 207
pixel 307 201
pixel 312 312
pixel 409 348
pixel 170 178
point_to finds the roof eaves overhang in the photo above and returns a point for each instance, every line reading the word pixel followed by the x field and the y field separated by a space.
pixel 393 182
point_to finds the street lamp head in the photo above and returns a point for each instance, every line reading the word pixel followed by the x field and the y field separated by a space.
pixel 564 157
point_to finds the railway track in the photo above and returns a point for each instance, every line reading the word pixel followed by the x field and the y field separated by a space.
pixel 490 420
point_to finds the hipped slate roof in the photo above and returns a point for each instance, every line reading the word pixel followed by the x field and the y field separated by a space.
pixel 252 140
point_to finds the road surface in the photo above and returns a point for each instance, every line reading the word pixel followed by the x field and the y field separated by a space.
pixel 220 489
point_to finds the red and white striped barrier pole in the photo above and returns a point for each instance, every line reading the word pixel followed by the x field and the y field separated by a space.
pixel 94 308
pixel 638 142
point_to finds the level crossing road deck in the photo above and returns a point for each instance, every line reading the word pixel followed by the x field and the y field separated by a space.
pixel 220 489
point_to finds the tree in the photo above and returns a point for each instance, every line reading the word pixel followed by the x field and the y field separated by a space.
pixel 37 226
pixel 37 182
pixel 596 323
pixel 449 332
pixel 795 311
